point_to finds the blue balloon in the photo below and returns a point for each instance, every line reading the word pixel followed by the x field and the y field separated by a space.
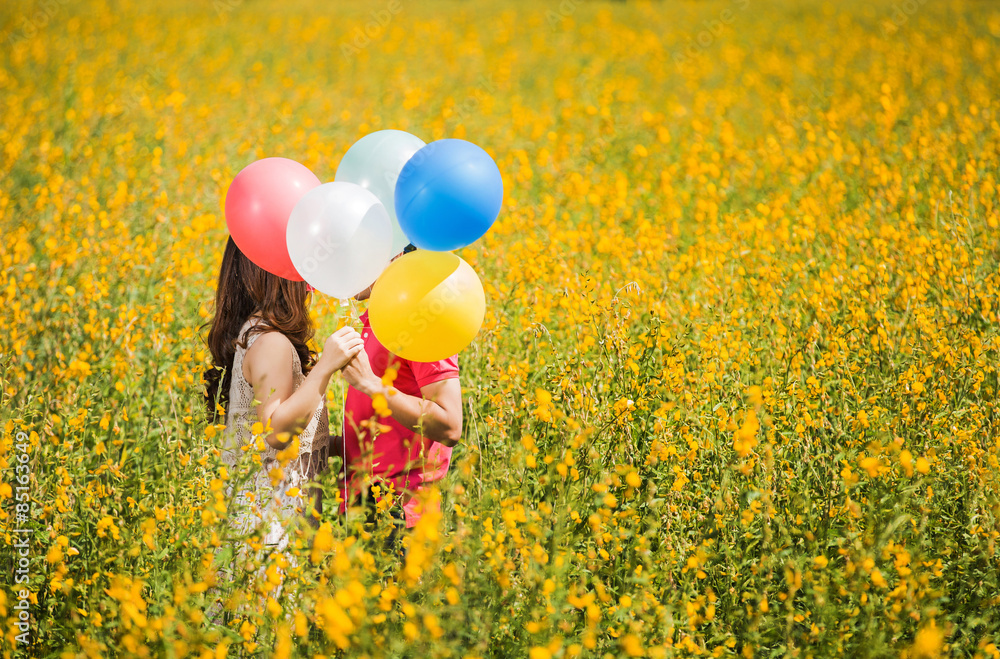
pixel 448 195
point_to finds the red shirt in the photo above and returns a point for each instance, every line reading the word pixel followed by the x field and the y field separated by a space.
pixel 398 456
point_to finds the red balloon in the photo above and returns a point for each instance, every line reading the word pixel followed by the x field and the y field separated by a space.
pixel 258 204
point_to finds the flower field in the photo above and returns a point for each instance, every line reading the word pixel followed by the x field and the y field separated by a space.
pixel 736 392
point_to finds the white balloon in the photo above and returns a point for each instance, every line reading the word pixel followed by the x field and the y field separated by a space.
pixel 339 238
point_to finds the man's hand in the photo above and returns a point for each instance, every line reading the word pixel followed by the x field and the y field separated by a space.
pixel 436 414
pixel 359 374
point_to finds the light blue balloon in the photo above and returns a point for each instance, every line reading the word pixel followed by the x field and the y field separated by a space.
pixel 374 162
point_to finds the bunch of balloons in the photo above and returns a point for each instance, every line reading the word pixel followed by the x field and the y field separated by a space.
pixel 390 189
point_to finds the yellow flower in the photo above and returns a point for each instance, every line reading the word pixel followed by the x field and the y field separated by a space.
pixel 301 624
pixel 632 646
pixel 54 554
pixel 544 408
pixel 322 543
pixel 381 405
pixel 128 594
pixel 336 622
pixel 870 464
pixel 106 525
pixel 878 579
pixel 390 374
pixel 745 438
pixel 283 646
pixel 906 460
pixel 928 642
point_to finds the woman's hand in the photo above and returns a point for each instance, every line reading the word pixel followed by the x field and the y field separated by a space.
pixel 341 347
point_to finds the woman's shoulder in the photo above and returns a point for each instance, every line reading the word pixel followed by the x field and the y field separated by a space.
pixel 269 350
pixel 269 340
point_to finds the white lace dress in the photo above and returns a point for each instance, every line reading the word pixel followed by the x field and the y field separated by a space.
pixel 260 500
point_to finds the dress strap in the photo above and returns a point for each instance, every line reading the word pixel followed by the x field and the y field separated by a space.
pixel 253 321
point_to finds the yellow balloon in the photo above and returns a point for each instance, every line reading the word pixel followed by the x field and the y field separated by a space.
pixel 427 306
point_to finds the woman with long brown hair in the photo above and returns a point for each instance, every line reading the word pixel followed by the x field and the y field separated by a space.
pixel 265 372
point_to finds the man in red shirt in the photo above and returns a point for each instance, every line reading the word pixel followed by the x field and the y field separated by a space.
pixel 412 446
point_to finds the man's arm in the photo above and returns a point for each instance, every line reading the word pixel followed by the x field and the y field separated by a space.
pixel 436 413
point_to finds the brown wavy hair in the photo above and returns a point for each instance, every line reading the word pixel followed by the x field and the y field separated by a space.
pixel 246 289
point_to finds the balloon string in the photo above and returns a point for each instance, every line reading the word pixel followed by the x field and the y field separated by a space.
pixel 354 319
pixel 354 315
pixel 343 446
pixel 353 312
